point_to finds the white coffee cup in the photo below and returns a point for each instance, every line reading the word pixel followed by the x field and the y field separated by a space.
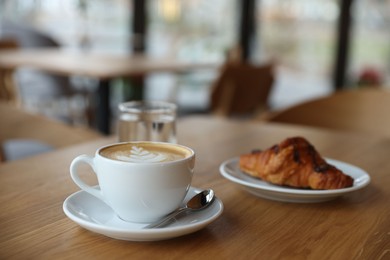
pixel 141 181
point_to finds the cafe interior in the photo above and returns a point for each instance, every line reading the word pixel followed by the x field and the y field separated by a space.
pixel 244 76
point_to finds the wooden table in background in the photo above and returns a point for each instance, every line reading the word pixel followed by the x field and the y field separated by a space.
pixel 102 67
pixel 17 123
pixel 355 226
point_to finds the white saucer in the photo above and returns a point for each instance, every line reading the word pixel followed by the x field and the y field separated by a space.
pixel 94 215
pixel 230 170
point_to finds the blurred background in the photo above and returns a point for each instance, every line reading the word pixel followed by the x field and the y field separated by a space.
pixel 304 38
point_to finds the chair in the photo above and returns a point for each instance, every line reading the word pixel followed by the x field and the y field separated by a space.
pixel 8 89
pixel 361 110
pixel 242 89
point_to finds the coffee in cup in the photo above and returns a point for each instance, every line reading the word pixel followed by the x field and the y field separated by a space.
pixel 145 152
pixel 140 181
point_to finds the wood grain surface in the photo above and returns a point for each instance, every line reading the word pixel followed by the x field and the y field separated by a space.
pixel 356 226
pixel 96 65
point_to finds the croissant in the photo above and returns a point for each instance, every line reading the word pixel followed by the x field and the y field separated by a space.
pixel 296 163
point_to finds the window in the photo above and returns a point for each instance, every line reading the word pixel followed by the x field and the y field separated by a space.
pixel 77 23
pixel 300 37
pixel 193 30
pixel 370 43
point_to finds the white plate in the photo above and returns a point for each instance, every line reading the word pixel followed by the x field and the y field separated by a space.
pixel 94 215
pixel 230 170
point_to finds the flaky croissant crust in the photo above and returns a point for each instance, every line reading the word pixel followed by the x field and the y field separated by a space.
pixel 296 163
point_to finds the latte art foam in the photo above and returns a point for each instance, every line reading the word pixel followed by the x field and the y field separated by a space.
pixel 141 155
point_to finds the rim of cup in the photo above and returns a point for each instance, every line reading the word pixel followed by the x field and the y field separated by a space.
pixel 145 163
pixel 147 106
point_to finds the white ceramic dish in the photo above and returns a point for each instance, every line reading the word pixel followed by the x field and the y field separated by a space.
pixel 231 171
pixel 94 215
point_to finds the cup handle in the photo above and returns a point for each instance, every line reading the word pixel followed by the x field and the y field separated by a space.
pixel 76 178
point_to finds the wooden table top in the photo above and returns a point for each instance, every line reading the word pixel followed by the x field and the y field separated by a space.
pixel 97 65
pixel 355 226
pixel 20 124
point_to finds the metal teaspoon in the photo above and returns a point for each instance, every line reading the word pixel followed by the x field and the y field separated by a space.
pixel 198 202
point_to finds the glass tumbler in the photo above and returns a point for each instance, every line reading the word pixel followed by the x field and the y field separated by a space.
pixel 147 121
